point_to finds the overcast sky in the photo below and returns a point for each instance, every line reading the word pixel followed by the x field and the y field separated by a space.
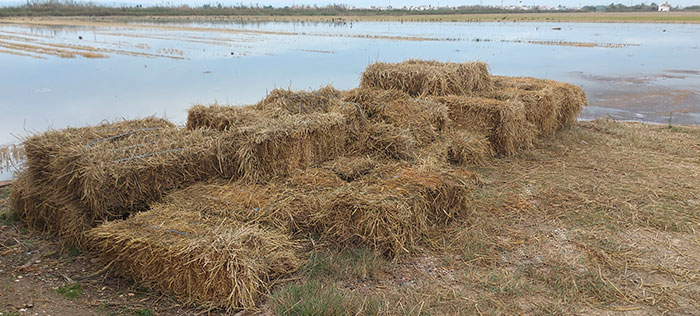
pixel 394 3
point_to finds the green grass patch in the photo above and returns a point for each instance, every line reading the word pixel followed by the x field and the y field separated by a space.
pixel 357 263
pixel 71 290
pixel 9 218
pixel 315 298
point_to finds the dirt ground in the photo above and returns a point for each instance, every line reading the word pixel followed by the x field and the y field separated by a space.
pixel 603 219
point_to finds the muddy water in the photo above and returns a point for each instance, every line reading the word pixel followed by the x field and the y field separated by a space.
pixel 60 73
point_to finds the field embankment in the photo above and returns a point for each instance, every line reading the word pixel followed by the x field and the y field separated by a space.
pixel 348 16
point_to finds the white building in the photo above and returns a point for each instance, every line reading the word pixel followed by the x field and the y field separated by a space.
pixel 665 7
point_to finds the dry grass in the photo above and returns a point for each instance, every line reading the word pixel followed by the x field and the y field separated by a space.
pixel 600 220
pixel 11 156
pixel 420 78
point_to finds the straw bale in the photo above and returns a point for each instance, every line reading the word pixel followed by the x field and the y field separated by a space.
pixel 352 168
pixel 41 149
pixel 549 105
pixel 118 177
pixel 276 147
pixel 381 140
pixel 219 117
pixel 394 209
pixel 278 103
pixel 468 148
pixel 296 102
pixel 504 121
pixel 44 215
pixel 420 78
pixel 423 118
pixel 196 256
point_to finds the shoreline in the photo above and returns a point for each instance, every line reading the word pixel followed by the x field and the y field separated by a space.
pixel 584 17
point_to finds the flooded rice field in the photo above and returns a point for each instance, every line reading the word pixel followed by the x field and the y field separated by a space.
pixel 62 72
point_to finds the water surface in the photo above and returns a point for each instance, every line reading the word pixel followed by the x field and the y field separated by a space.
pixel 644 72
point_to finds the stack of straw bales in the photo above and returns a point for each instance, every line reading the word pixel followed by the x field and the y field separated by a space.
pixel 217 213
pixel 224 244
pixel 77 178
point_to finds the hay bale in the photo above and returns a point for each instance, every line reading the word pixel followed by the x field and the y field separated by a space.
pixel 219 117
pixel 465 148
pixel 278 103
pixel 117 177
pixel 394 209
pixel 275 147
pixel 503 121
pixel 549 105
pixel 420 78
pixel 423 118
pixel 297 102
pixel 351 168
pixel 198 257
pixel 44 215
pixel 41 149
pixel 274 141
pixel 88 181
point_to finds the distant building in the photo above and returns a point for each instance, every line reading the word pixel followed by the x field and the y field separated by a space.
pixel 601 8
pixel 665 7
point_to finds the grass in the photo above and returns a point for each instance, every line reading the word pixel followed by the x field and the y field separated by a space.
pixel 600 219
pixel 316 298
pixel 70 290
pixel 9 218
pixel 353 263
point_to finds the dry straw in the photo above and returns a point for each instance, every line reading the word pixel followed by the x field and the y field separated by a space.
pixel 43 214
pixel 549 105
pixel 201 258
pixel 422 118
pixel 420 78
pixel 504 121
pixel 112 170
pixel 11 157
pixel 277 146
pixel 296 102
pixel 41 149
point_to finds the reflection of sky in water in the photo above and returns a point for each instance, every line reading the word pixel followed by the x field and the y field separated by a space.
pixel 40 93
